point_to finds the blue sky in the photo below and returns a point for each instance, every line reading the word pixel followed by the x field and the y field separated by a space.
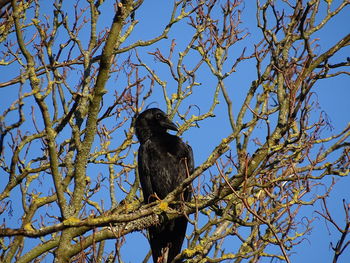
pixel 333 95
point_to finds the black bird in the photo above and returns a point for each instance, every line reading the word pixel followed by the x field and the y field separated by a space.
pixel 164 161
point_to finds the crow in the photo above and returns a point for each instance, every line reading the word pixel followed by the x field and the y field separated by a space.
pixel 164 161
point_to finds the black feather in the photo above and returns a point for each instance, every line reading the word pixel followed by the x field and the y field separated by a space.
pixel 164 161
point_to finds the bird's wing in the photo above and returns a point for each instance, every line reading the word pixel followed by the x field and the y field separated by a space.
pixel 144 172
pixel 190 159
pixel 159 170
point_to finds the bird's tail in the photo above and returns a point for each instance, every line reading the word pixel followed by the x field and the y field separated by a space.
pixel 166 240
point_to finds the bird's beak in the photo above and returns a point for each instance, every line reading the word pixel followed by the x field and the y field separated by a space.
pixel 168 124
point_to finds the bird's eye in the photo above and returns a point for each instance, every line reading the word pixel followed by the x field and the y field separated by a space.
pixel 158 116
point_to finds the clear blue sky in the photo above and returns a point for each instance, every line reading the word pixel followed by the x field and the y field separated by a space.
pixel 333 96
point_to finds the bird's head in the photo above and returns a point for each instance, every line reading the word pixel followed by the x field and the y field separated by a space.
pixel 152 121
